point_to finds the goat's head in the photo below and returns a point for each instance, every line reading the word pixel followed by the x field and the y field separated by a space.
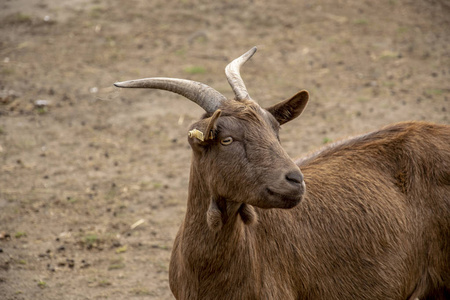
pixel 236 143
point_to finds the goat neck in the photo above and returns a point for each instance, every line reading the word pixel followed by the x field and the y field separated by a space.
pixel 205 211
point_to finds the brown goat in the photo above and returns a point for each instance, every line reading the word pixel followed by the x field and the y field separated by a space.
pixel 370 220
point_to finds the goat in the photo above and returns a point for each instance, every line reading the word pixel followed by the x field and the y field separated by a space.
pixel 366 218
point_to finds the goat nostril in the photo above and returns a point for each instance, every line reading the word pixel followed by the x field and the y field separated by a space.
pixel 294 177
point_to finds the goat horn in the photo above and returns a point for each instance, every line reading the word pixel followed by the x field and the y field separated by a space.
pixel 234 76
pixel 205 96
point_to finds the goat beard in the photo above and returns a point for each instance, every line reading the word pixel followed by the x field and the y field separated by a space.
pixel 219 210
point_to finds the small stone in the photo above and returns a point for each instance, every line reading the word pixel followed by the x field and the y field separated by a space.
pixel 70 263
pixel 51 268
pixel 42 103
pixel 4 236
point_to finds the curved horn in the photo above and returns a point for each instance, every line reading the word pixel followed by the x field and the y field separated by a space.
pixel 234 76
pixel 206 97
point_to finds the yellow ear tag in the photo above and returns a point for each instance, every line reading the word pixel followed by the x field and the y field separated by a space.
pixel 195 133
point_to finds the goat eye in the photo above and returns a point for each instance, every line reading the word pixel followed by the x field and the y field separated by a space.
pixel 226 141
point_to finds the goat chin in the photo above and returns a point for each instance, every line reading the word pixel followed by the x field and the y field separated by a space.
pixel 275 198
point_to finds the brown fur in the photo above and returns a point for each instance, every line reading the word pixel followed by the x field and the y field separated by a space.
pixel 374 222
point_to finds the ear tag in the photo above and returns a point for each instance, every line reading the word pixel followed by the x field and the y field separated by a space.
pixel 195 133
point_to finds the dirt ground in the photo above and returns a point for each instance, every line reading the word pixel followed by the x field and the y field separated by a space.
pixel 93 180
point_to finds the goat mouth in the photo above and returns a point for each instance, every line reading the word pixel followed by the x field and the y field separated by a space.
pixel 284 200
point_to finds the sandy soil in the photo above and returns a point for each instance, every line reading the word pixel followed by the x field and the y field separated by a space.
pixel 93 183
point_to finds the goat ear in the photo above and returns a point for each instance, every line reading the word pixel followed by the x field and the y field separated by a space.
pixel 291 108
pixel 212 124
pixel 202 131
pixel 248 214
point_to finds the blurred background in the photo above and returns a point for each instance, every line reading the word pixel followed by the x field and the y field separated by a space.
pixel 93 179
